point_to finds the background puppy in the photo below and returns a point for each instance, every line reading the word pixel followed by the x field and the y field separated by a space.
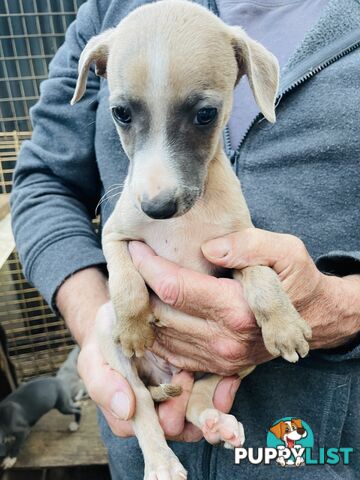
pixel 171 68
pixel 20 410
pixel 70 378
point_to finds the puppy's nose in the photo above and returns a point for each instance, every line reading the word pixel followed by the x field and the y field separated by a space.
pixel 160 207
pixel 301 430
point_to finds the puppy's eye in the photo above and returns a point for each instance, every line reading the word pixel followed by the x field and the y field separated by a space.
pixel 205 116
pixel 122 115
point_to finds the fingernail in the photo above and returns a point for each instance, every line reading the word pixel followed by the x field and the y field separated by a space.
pixel 120 405
pixel 218 248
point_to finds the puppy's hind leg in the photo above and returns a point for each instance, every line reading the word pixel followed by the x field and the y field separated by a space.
pixel 11 458
pixel 67 406
pixel 216 426
pixel 160 461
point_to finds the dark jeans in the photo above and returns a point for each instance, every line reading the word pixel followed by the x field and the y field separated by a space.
pixel 324 395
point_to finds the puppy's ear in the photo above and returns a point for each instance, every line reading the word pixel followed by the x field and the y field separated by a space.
pixel 277 430
pixel 297 422
pixel 96 50
pixel 261 68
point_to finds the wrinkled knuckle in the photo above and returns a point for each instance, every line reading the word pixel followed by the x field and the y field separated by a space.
pixel 297 244
pixel 228 350
pixel 165 340
pixel 241 317
pixel 300 252
pixel 176 361
pixel 169 290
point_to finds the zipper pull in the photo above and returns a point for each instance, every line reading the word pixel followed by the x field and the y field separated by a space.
pixel 232 156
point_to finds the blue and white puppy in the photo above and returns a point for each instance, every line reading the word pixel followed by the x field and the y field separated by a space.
pixel 20 410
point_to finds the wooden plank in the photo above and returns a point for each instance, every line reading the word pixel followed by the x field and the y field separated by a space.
pixel 51 444
pixel 4 205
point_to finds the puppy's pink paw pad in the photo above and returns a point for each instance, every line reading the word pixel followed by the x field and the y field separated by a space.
pixel 211 423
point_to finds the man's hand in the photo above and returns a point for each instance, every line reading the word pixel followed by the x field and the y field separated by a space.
pixel 78 299
pixel 225 337
pixel 111 392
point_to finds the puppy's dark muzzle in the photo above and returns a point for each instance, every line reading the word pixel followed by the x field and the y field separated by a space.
pixel 160 207
pixel 300 430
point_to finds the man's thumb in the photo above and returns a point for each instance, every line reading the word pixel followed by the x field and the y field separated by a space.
pixel 225 251
pixel 105 386
pixel 250 246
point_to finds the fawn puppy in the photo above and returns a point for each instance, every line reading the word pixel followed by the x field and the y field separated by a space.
pixel 171 68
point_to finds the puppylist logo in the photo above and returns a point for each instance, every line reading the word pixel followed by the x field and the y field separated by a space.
pixel 290 443
pixel 290 437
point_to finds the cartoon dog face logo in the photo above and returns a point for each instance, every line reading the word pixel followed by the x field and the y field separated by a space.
pixel 289 431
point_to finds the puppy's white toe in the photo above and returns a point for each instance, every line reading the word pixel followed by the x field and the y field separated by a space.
pixel 73 427
pixel 287 340
pixel 290 356
pixel 168 468
pixel 167 475
pixel 221 427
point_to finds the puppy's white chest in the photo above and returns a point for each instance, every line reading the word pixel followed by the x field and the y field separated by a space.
pixel 179 239
pixel 221 210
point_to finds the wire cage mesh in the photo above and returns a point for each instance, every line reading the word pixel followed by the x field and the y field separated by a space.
pixel 38 341
pixel 30 33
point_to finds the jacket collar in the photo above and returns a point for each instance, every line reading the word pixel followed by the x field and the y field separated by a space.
pixel 337 28
pixel 340 19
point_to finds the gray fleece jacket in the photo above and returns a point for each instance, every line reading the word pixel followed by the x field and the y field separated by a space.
pixel 300 175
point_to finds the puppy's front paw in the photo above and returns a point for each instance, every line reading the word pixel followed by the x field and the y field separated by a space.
pixel 165 467
pixel 135 334
pixel 285 333
pixel 8 462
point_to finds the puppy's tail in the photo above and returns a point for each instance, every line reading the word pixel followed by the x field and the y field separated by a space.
pixel 164 391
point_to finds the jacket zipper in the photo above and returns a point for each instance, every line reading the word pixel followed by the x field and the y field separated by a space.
pixel 309 73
